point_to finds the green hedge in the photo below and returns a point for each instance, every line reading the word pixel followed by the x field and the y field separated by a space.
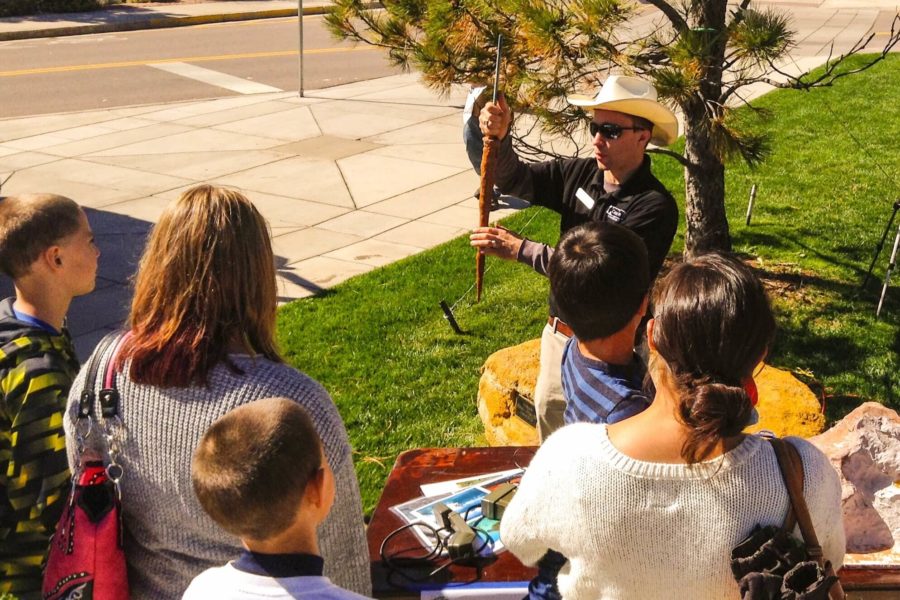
pixel 14 8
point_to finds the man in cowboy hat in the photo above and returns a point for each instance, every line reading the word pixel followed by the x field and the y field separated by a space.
pixel 614 185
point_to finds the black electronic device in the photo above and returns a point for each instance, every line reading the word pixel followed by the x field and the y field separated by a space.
pixel 461 541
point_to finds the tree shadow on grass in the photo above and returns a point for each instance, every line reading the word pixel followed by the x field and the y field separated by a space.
pixel 852 260
pixel 832 333
pixel 779 210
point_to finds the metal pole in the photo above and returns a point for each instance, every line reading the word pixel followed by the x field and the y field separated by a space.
pixel 300 27
pixel 750 204
pixel 880 246
pixel 497 67
pixel 887 275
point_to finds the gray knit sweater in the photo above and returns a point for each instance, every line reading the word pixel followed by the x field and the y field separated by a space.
pixel 169 539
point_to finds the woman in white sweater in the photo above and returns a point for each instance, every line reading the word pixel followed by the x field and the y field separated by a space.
pixel 652 506
pixel 202 342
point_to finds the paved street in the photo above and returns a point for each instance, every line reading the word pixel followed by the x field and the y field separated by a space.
pixel 353 177
pixel 108 70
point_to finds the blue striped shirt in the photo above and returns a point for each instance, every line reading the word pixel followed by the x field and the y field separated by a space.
pixel 599 392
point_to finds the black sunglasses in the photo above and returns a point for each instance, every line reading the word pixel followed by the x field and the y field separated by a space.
pixel 609 131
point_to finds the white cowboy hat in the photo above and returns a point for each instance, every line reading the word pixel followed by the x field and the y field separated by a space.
pixel 633 96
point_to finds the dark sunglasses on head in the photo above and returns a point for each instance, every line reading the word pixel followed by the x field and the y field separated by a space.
pixel 609 131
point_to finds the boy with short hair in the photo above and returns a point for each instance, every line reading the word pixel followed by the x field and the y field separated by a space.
pixel 599 277
pixel 47 248
pixel 260 472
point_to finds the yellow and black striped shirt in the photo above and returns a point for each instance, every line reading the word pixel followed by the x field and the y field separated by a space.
pixel 36 372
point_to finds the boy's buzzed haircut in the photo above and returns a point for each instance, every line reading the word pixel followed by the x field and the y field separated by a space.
pixel 252 466
pixel 31 223
pixel 599 275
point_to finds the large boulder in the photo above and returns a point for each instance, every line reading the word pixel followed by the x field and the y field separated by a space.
pixel 864 447
pixel 507 378
pixel 786 405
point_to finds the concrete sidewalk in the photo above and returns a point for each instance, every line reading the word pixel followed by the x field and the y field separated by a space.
pixel 125 17
pixel 350 178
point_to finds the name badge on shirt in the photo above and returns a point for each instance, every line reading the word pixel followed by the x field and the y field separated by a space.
pixel 615 214
pixel 585 198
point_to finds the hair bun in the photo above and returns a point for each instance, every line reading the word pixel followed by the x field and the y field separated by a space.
pixel 715 411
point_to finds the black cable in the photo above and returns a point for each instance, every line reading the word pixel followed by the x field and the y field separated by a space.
pixel 403 565
pixel 849 132
pixel 488 540
pixel 433 553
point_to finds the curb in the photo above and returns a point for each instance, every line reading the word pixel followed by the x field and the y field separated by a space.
pixel 158 23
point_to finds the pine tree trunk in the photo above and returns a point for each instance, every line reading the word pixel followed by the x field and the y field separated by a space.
pixel 704 177
pixel 704 186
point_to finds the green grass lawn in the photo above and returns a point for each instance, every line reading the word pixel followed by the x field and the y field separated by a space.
pixel 402 379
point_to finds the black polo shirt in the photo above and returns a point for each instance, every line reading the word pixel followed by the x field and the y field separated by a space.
pixel 642 203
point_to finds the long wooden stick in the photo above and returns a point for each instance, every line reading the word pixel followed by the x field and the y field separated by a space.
pixel 486 191
pixel 485 196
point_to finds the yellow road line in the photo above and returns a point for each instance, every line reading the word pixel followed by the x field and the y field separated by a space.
pixel 189 59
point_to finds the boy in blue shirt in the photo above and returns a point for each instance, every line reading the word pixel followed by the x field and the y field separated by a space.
pixel 599 279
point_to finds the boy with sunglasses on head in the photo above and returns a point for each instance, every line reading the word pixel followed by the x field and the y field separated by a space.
pixel 260 472
pixel 615 185
pixel 47 248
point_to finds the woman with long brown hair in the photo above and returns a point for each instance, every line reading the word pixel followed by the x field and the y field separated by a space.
pixel 200 343
pixel 651 507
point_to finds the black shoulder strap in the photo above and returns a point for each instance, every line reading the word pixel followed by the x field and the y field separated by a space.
pixel 86 400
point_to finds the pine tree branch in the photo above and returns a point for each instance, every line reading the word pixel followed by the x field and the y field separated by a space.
pixel 730 59
pixel 739 81
pixel 739 13
pixel 671 13
pixel 831 74
pixel 679 157
pixel 825 79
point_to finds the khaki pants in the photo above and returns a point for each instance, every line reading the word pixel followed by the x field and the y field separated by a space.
pixel 549 402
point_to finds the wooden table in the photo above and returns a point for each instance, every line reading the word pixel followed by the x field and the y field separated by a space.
pixel 429 465
pixel 860 577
